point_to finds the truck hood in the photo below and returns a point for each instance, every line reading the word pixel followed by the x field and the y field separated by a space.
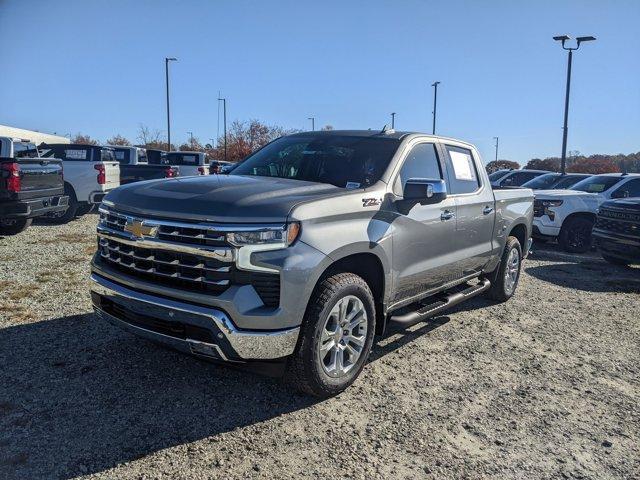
pixel 544 194
pixel 219 198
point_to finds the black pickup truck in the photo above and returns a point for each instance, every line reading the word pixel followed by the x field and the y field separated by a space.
pixel 617 231
pixel 29 186
pixel 135 167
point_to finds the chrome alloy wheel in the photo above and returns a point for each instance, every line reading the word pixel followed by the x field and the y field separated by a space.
pixel 343 336
pixel 511 271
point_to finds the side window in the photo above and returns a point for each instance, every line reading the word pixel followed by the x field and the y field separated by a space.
pixel 421 162
pixel 463 177
pixel 628 189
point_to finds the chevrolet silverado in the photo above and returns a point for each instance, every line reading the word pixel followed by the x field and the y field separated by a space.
pixel 308 248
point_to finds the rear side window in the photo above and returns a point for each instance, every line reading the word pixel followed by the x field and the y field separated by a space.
pixel 421 162
pixel 463 176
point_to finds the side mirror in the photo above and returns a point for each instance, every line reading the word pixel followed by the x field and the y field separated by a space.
pixel 425 190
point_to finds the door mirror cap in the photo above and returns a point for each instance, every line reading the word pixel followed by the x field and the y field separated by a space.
pixel 425 190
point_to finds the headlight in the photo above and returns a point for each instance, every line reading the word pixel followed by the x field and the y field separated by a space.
pixel 552 203
pixel 266 236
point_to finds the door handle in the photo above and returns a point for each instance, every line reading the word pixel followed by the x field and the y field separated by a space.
pixel 447 215
pixel 487 210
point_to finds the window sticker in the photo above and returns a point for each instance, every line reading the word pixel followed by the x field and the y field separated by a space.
pixel 352 185
pixel 75 154
pixel 461 165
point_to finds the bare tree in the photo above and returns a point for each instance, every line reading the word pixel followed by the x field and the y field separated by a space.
pixel 327 128
pixel 151 138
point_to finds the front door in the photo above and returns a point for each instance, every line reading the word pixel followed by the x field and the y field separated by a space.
pixel 423 253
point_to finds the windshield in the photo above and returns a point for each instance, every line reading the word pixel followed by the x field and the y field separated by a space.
pixel 570 180
pixel 498 174
pixel 542 182
pixel 596 184
pixel 343 161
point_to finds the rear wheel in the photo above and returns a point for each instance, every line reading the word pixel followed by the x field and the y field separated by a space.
pixel 575 235
pixel 504 279
pixel 335 336
pixel 13 226
pixel 84 208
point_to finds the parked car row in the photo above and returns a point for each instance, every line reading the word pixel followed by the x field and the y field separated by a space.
pixel 63 181
pixel 566 209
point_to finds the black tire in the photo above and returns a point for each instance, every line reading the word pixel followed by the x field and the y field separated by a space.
pixel 500 290
pixel 305 369
pixel 59 218
pixel 615 260
pixel 575 235
pixel 13 226
pixel 84 208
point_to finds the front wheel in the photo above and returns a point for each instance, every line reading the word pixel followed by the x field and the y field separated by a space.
pixel 335 336
pixel 13 226
pixel 575 235
pixel 504 279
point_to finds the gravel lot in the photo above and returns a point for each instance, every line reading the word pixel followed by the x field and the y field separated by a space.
pixel 544 386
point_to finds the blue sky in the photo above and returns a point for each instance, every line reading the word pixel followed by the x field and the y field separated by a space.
pixel 97 67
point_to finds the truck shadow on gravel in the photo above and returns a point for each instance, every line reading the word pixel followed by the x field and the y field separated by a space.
pixel 587 272
pixel 78 396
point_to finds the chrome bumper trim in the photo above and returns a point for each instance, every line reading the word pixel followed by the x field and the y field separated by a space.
pixel 246 345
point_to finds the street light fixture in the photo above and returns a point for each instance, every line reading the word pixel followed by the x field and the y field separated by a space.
pixel 435 102
pixel 166 71
pixel 563 39
pixel 224 109
pixel 313 123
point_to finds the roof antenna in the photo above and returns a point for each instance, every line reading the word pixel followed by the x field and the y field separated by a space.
pixel 386 130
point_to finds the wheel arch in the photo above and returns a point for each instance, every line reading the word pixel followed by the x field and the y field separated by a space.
pixel 371 268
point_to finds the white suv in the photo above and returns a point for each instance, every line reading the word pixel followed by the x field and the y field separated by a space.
pixel 569 215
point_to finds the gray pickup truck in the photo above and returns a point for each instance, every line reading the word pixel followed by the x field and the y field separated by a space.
pixel 308 248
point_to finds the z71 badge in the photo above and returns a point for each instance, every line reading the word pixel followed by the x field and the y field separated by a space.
pixel 371 202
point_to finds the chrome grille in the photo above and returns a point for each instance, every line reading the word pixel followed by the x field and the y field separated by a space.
pixel 617 226
pixel 189 257
pixel 180 269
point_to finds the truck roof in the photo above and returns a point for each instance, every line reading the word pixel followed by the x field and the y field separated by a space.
pixel 376 133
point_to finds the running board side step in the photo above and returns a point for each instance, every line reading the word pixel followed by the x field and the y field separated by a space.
pixel 441 304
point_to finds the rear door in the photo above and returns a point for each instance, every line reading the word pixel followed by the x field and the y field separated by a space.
pixel 423 255
pixel 475 207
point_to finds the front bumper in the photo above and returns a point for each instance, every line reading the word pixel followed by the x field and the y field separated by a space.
pixel 33 207
pixel 194 329
pixel 616 245
pixel 540 229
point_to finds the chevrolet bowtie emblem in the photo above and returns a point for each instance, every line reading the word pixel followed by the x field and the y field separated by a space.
pixel 138 229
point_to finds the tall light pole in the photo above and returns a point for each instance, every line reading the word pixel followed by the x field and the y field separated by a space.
pixel 393 120
pixel 496 139
pixel 313 123
pixel 579 40
pixel 191 139
pixel 224 116
pixel 435 103
pixel 166 71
